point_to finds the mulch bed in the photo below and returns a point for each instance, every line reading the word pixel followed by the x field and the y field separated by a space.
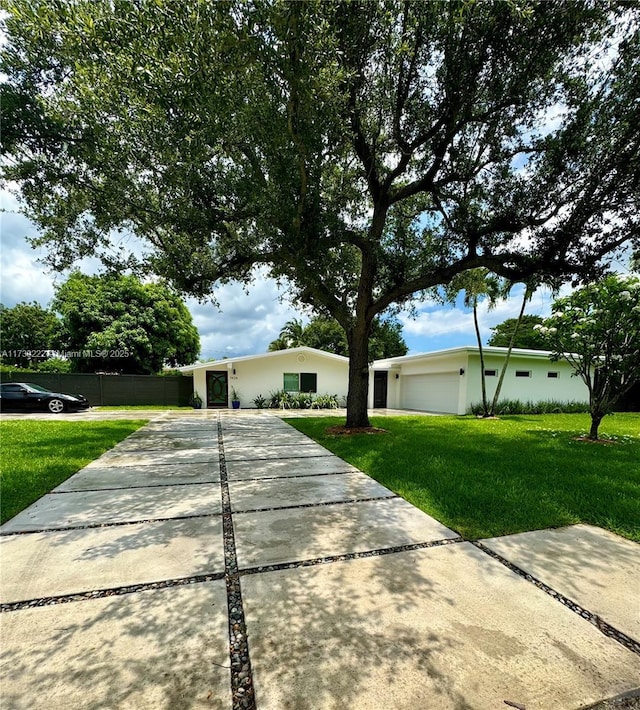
pixel 587 440
pixel 350 431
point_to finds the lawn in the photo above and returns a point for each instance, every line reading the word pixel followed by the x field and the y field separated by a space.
pixel 485 478
pixel 36 456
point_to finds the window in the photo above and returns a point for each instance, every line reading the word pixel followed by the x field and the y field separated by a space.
pixel 291 382
pixel 490 373
pixel 308 382
pixel 523 373
pixel 552 375
pixel 13 388
pixel 300 382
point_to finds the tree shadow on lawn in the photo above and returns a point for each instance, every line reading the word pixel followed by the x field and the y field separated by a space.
pixel 484 485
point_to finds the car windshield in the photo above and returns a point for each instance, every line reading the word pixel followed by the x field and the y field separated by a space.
pixel 35 388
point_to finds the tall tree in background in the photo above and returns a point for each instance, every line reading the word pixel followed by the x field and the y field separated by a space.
pixel 478 285
pixel 361 152
pixel 26 330
pixel 291 335
pixel 524 335
pixel 118 324
pixel 597 331
pixel 326 334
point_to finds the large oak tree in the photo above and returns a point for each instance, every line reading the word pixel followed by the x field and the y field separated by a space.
pixel 362 152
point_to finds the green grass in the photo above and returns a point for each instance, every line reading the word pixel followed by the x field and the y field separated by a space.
pixel 486 478
pixel 37 456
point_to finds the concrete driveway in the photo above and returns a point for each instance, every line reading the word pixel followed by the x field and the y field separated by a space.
pixel 224 560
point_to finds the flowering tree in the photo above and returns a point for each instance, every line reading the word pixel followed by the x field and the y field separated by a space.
pixel 597 330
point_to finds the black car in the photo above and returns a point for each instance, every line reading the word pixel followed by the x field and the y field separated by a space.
pixel 25 396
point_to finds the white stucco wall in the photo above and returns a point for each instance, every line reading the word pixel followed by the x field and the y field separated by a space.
pixel 432 382
pixel 263 375
pixel 537 388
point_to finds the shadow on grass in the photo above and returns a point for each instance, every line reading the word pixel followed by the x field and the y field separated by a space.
pixel 489 478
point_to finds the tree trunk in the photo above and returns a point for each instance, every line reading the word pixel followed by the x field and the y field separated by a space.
pixel 483 379
pixel 494 401
pixel 357 414
pixel 595 423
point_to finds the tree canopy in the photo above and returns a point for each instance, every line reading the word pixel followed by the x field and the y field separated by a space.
pixel 326 334
pixel 526 336
pixel 361 152
pixel 597 330
pixel 118 324
pixel 27 331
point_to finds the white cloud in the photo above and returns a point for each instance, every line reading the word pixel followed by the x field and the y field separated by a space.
pixel 436 322
pixel 245 322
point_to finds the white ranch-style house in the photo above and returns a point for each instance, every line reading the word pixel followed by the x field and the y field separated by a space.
pixel 445 381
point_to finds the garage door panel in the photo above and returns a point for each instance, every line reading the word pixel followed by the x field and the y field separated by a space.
pixel 431 393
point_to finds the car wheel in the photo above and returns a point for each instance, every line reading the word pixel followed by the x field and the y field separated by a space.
pixel 55 406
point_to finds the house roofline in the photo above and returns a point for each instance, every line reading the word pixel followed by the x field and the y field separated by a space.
pixel 463 349
pixel 273 353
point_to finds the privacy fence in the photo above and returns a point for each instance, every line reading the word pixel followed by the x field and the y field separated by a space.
pixel 104 390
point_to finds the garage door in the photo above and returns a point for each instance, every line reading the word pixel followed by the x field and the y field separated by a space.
pixel 431 393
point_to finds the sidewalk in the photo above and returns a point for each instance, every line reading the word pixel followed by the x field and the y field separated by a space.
pixel 224 560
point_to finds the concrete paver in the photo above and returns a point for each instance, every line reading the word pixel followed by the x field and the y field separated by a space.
pixel 60 510
pixel 251 495
pixel 37 565
pixel 277 536
pixel 150 433
pixel 245 441
pixel 144 457
pixel 444 628
pixel 154 649
pixel 162 443
pixel 593 567
pixel 95 478
pixel 271 451
pixel 309 466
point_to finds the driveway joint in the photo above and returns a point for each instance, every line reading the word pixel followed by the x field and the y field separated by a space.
pixel 111 592
pixel 350 556
pixel 597 621
pixel 242 690
pixel 91 526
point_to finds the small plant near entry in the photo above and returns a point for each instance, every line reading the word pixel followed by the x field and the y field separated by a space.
pixel 235 395
pixel 260 401
pixel 279 399
pixel 301 400
pixel 195 401
pixel 325 401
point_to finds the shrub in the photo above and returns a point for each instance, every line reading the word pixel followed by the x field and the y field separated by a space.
pixel 325 401
pixel 259 401
pixel 300 400
pixel 549 406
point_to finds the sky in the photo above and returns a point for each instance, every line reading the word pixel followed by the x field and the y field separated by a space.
pixel 245 321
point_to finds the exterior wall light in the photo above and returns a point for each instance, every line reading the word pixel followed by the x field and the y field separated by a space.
pixel 462 370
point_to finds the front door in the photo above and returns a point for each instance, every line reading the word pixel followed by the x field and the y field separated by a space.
pixel 380 390
pixel 217 388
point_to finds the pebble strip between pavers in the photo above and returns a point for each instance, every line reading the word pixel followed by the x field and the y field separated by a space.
pixel 243 696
